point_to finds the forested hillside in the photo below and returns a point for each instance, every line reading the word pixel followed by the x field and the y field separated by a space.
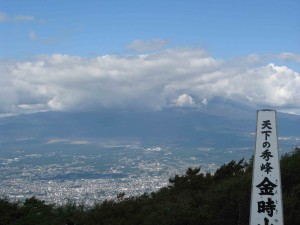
pixel 190 199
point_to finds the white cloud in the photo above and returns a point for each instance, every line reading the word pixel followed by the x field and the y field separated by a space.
pixel 204 101
pixel 185 100
pixel 15 18
pixel 33 36
pixel 290 56
pixel 155 81
pixel 23 18
pixel 3 16
pixel 145 46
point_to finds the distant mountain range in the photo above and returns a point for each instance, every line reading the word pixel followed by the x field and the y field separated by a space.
pixel 214 125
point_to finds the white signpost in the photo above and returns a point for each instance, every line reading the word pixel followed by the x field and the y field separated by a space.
pixel 266 200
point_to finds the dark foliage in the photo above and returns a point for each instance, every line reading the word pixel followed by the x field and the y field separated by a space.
pixel 190 199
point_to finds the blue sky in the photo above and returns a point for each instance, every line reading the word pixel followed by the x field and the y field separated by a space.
pixel 52 50
pixel 226 28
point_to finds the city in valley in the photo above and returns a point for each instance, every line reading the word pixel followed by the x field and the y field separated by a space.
pixel 89 171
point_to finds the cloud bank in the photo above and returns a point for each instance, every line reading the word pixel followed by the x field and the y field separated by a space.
pixel 170 78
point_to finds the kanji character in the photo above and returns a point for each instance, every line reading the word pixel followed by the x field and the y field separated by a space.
pixel 266 124
pixel 268 207
pixel 266 167
pixel 266 187
pixel 266 133
pixel 266 155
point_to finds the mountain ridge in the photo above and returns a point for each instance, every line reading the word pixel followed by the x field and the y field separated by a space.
pixel 183 125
